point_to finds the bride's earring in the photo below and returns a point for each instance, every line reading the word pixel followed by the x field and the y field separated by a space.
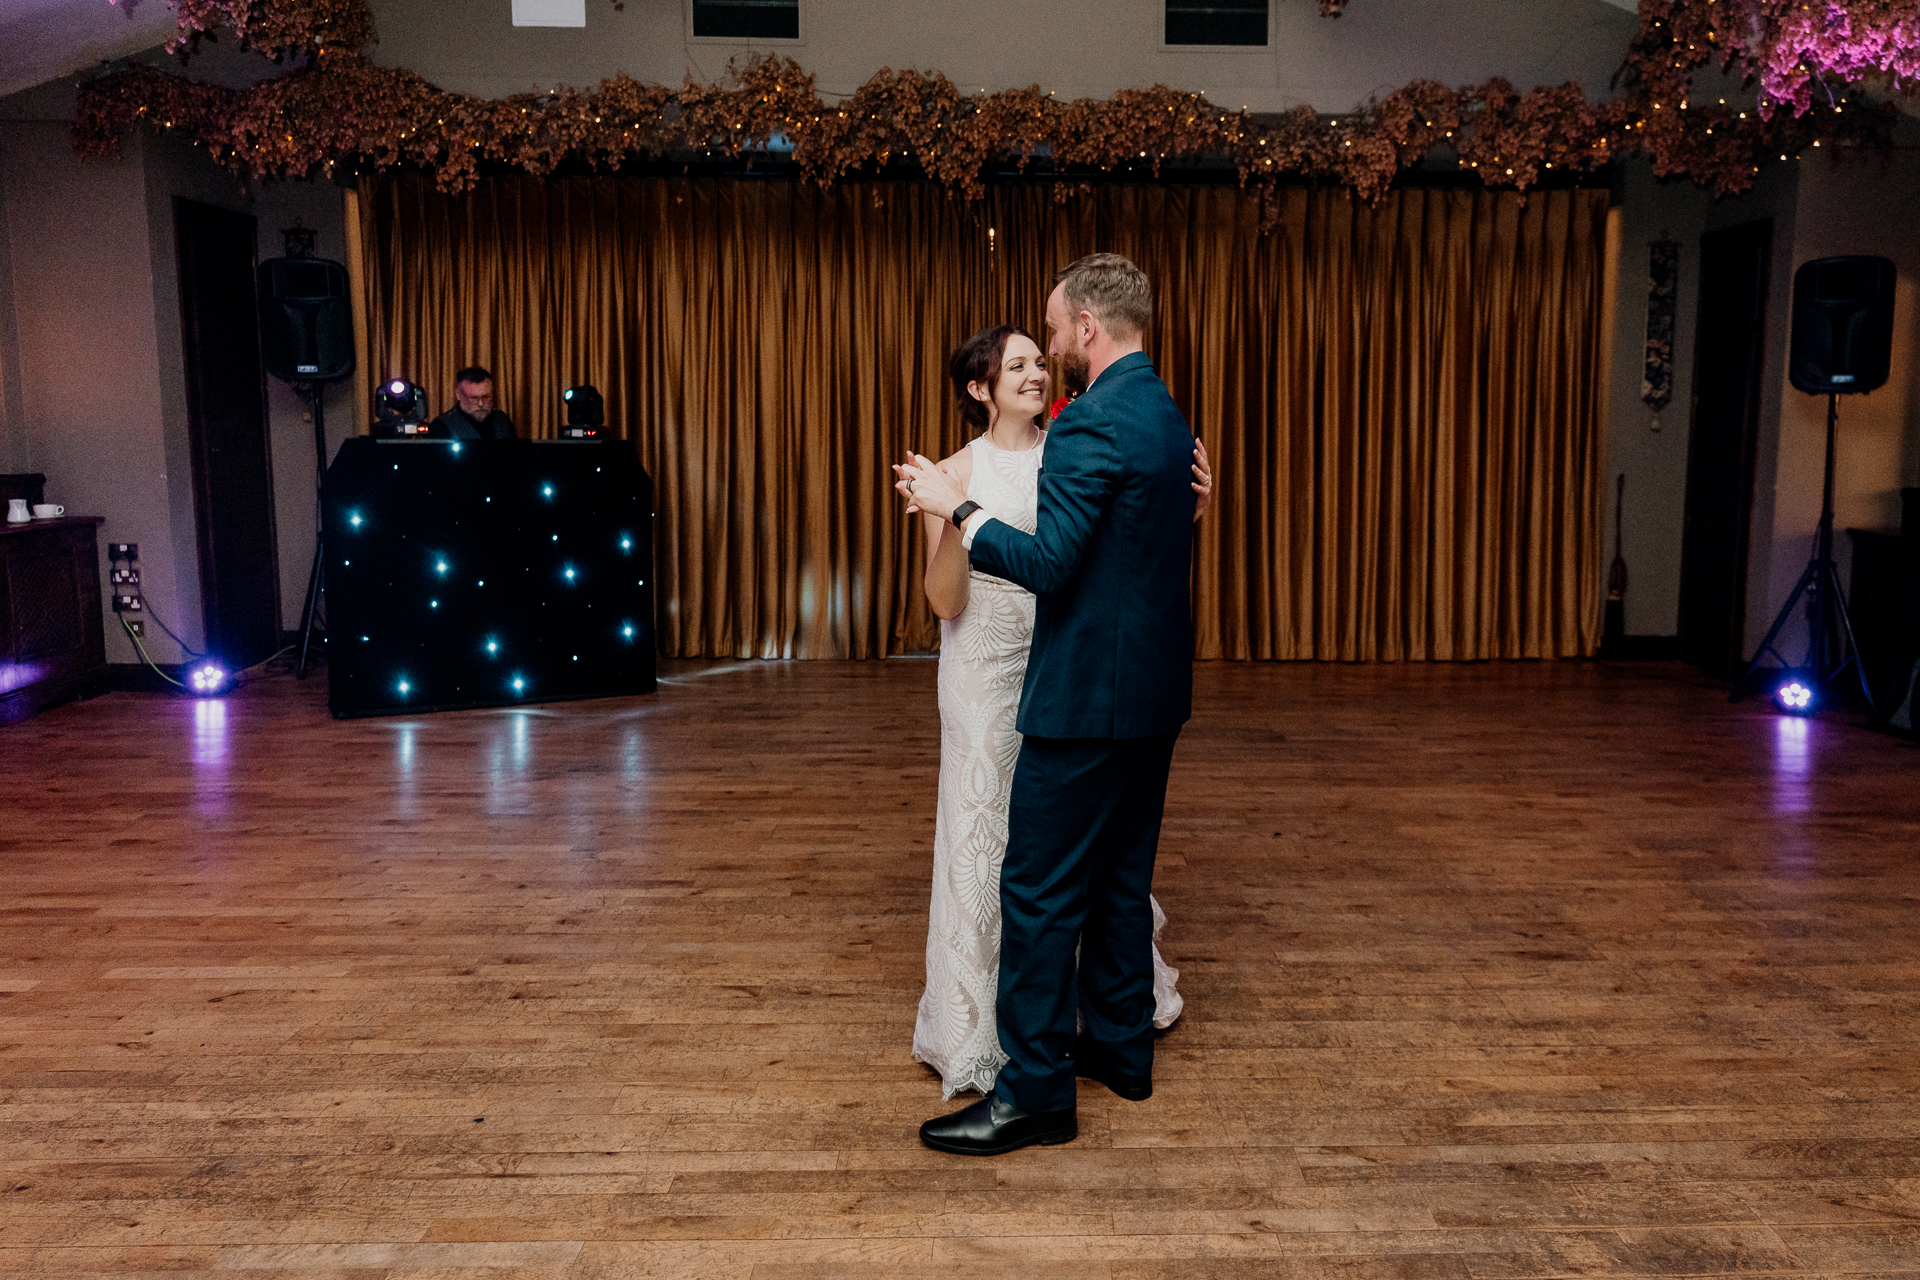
pixel 993 410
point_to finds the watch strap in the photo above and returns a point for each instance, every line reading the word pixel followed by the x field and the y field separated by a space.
pixel 962 512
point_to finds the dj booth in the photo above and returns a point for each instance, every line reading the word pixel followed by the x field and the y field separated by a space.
pixel 477 573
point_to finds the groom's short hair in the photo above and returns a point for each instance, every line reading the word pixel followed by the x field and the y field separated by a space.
pixel 1117 293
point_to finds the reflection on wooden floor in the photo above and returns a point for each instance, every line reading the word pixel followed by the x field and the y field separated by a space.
pixel 1492 971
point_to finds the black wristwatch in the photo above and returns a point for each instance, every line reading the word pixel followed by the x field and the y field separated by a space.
pixel 961 512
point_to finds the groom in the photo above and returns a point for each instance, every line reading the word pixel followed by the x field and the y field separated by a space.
pixel 1109 683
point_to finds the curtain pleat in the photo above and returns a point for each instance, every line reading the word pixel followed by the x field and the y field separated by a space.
pixel 1401 399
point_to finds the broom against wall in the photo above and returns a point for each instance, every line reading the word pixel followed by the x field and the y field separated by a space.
pixel 1614 631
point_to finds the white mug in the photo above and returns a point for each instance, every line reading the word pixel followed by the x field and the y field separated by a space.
pixel 17 511
pixel 48 511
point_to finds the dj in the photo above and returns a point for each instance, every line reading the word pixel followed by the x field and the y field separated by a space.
pixel 474 417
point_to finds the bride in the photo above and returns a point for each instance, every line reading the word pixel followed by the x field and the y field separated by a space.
pixel 1000 380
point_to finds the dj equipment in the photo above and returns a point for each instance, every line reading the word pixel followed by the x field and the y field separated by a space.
pixel 306 320
pixel 306 339
pixel 1842 345
pixel 586 412
pixel 400 411
pixel 474 573
pixel 1842 325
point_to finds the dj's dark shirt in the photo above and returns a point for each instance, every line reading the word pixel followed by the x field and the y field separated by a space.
pixel 495 426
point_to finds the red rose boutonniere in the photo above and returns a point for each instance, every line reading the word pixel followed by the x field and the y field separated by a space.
pixel 1053 410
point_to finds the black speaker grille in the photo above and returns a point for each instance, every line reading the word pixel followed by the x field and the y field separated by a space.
pixel 306 319
pixel 1842 325
pixel 305 279
pixel 1844 281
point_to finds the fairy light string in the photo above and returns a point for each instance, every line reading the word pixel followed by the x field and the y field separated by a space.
pixel 333 108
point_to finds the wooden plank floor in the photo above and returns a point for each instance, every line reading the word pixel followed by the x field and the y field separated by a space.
pixel 1492 971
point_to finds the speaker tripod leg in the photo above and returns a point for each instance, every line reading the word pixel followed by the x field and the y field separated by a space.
pixel 1839 599
pixel 1773 633
pixel 315 394
pixel 315 579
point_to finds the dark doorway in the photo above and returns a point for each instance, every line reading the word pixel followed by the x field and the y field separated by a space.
pixel 1728 349
pixel 227 425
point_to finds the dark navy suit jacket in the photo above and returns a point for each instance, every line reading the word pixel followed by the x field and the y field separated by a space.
pixel 1112 649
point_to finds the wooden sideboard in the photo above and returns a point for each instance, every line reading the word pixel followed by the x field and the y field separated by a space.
pixel 52 640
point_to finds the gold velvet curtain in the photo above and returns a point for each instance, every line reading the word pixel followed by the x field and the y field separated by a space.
pixel 1401 399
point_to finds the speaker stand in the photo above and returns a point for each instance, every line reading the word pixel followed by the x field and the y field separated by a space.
pixel 1827 614
pixel 315 394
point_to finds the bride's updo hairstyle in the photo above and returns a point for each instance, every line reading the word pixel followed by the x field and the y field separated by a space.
pixel 978 360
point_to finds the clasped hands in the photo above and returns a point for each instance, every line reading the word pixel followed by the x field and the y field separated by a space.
pixel 928 486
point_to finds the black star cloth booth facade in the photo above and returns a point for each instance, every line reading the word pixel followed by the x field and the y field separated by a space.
pixel 477 573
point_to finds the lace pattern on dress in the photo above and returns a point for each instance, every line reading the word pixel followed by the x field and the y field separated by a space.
pixel 983 660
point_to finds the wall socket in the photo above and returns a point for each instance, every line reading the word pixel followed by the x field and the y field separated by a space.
pixel 126 583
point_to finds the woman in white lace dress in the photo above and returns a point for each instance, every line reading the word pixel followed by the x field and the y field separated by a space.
pixel 1000 379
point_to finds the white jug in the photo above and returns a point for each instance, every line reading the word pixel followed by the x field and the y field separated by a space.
pixel 17 512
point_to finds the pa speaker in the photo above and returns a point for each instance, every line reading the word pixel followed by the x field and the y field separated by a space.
pixel 306 320
pixel 1842 325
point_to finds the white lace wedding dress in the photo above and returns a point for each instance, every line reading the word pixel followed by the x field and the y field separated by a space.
pixel 983 658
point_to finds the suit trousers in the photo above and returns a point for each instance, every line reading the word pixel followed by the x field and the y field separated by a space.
pixel 1083 828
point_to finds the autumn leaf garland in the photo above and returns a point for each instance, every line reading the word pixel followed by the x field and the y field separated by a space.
pixel 336 107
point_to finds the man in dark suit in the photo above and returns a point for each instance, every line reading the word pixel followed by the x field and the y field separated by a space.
pixel 1109 683
pixel 473 416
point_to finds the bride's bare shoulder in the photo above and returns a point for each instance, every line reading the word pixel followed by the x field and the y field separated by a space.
pixel 960 464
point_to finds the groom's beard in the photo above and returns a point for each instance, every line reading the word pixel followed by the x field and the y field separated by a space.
pixel 1075 369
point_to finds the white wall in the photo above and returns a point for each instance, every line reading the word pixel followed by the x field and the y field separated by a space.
pixel 91 380
pixel 1083 48
pixel 13 423
pixel 88 411
pixel 1818 210
pixel 1654 461
pixel 43 39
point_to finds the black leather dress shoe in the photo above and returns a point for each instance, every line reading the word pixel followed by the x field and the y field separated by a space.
pixel 991 1127
pixel 1090 1062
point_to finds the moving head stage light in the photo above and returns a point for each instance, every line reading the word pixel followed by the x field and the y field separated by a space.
pixel 400 409
pixel 586 412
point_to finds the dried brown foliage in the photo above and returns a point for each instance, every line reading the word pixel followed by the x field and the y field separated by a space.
pixel 337 108
pixel 275 27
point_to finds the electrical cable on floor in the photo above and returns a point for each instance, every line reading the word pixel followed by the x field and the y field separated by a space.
pixel 238 677
pixel 186 648
pixel 134 636
pixel 264 661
